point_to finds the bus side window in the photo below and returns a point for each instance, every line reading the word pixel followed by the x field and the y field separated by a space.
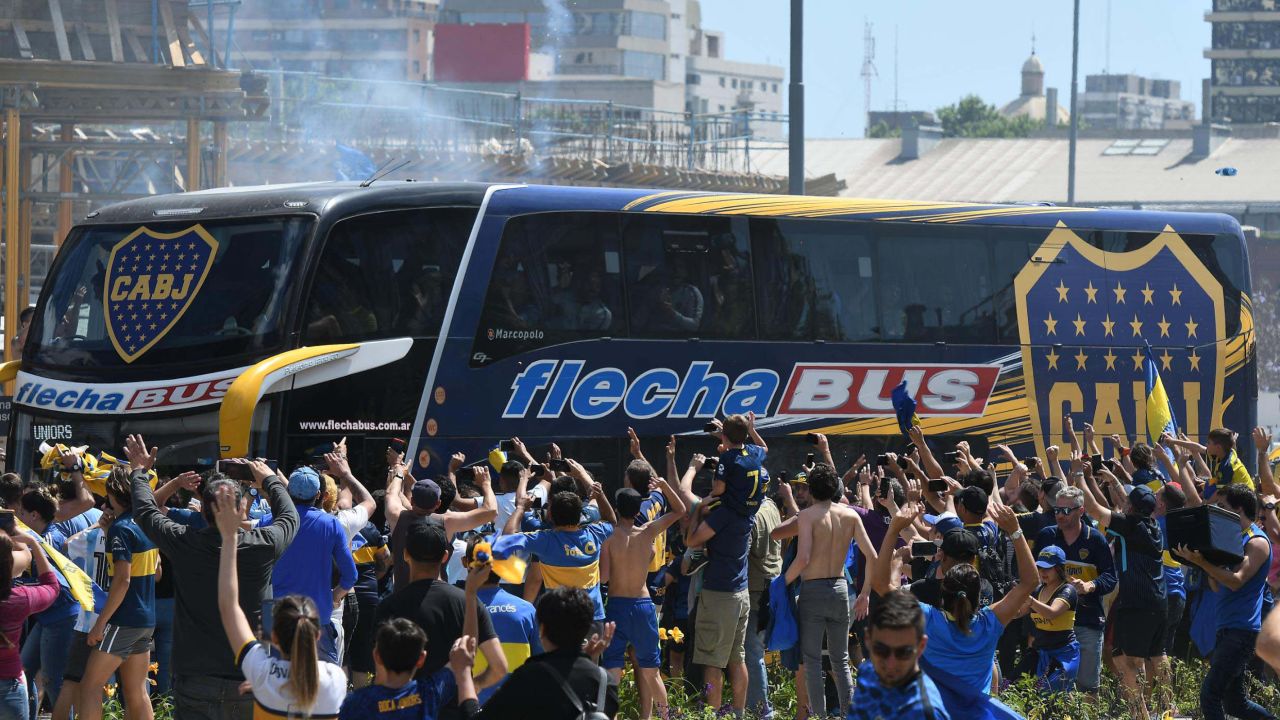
pixel 387 274
pixel 557 278
pixel 936 285
pixel 689 276
pixel 814 280
pixel 1013 248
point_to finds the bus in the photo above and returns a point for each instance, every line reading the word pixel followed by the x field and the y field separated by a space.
pixel 272 321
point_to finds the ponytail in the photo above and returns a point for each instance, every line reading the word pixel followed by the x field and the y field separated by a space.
pixel 296 624
pixel 960 588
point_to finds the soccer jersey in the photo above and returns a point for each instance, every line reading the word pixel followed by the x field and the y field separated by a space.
pixel 1226 471
pixel 127 543
pixel 418 700
pixel 269 675
pixel 651 509
pixel 740 470
pixel 516 623
pixel 88 550
pixel 1055 632
pixel 364 551
pixel 918 699
pixel 569 558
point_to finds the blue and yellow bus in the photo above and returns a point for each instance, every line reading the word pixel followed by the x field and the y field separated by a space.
pixel 271 321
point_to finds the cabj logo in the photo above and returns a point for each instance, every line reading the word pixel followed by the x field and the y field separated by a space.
pixel 151 280
pixel 1085 318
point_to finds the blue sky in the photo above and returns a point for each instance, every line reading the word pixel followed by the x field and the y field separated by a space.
pixel 948 49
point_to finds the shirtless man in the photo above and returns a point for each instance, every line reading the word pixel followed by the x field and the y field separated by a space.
pixel 826 529
pixel 625 566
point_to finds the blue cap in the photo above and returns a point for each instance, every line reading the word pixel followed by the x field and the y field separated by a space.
pixel 944 523
pixel 1051 556
pixel 304 484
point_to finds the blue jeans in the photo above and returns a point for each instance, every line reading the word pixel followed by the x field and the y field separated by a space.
pixel 1090 639
pixel 163 639
pixel 46 651
pixel 1223 688
pixel 757 678
pixel 14 704
pixel 328 646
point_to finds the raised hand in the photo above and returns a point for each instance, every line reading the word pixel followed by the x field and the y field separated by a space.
pixel 633 443
pixel 135 449
pixel 463 654
pixel 226 511
pixel 1261 439
pixel 338 465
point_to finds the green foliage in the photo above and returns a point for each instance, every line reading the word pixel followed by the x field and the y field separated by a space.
pixel 971 117
pixel 1023 696
pixel 882 130
pixel 114 709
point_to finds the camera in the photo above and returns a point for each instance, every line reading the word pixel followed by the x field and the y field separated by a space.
pixel 924 549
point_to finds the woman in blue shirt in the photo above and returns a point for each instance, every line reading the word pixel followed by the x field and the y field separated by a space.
pixel 962 637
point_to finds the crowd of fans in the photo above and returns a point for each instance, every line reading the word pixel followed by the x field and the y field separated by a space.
pixel 940 575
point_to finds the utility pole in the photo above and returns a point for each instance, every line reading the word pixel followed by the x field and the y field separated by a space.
pixel 868 70
pixel 1075 120
pixel 795 125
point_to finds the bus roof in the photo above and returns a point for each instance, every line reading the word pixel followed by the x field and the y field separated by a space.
pixel 346 198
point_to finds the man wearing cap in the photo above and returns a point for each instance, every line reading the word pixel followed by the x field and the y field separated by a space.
pixel 1091 570
pixel 959 545
pixel 425 501
pixel 1139 610
pixel 306 568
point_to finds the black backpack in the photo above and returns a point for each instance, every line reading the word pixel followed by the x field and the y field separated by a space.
pixel 996 563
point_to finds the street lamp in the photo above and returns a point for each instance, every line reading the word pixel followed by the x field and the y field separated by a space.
pixel 795 126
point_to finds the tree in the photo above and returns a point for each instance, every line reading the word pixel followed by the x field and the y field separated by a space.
pixel 882 130
pixel 971 117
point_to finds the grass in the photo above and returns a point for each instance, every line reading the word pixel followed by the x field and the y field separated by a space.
pixel 1023 696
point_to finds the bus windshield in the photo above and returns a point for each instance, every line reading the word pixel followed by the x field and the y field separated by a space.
pixel 148 295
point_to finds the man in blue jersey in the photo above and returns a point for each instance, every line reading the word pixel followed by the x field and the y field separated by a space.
pixel 88 550
pixel 121 636
pixel 1091 569
pixel 1239 592
pixel 516 623
pixel 891 684
pixel 739 482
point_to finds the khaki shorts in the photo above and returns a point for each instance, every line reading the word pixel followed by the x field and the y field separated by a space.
pixel 720 633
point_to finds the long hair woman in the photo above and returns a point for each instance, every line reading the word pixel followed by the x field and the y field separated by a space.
pixel 297 683
pixel 1053 611
pixel 962 636
pixel 17 603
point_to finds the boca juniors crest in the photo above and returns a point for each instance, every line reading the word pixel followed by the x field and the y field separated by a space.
pixel 151 280
pixel 1086 317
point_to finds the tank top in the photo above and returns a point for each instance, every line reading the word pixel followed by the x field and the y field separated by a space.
pixel 1242 609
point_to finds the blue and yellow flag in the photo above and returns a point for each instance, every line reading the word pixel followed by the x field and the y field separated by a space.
pixel 1160 416
pixel 70 576
pixel 904 406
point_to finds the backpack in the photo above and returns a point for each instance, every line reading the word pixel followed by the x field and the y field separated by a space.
pixel 996 563
pixel 587 711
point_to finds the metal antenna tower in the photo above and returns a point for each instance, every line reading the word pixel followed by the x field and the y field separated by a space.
pixel 868 69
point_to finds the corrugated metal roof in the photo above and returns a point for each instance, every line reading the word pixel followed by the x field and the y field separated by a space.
pixel 1031 170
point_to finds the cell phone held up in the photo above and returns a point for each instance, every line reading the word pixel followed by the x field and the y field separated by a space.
pixel 558 465
pixel 937 486
pixel 924 549
pixel 884 488
pixel 711 464
pixel 238 468
pixel 7 523
pixel 1095 462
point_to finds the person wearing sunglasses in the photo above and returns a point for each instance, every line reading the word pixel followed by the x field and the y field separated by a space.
pixel 1090 569
pixel 891 683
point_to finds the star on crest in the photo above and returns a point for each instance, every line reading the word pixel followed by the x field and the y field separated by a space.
pixel 1136 325
pixel 1091 293
pixel 1147 292
pixel 1062 291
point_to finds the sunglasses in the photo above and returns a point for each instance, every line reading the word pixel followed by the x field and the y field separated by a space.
pixel 900 652
pixel 1064 511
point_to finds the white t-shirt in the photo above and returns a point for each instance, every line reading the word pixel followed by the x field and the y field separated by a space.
pixel 269 675
pixel 88 550
pixel 507 505
pixel 352 521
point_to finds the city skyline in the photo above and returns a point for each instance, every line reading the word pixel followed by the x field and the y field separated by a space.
pixel 1154 38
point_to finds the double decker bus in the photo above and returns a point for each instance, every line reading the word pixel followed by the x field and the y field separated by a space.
pixel 272 321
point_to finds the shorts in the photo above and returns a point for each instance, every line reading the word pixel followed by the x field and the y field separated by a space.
pixel 1139 633
pixel 124 642
pixel 635 623
pixel 78 658
pixel 721 628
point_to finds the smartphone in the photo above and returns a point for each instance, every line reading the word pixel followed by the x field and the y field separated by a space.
pixel 951 456
pixel 7 523
pixel 466 472
pixel 235 469
pixel 1109 464
pixel 885 487
pixel 911 447
pixel 882 460
pixel 924 549
pixel 711 428
pixel 1096 462
pixel 937 486
pixel 902 462
pixel 809 459
pixel 711 464
pixel 812 438
pixel 558 465
pixel 537 470
pixel 783 475
pixel 507 446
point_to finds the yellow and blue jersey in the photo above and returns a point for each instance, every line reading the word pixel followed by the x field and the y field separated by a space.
pixel 516 623
pixel 127 543
pixel 741 471
pixel 1227 471
pixel 1055 632
pixel 569 558
pixel 651 509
